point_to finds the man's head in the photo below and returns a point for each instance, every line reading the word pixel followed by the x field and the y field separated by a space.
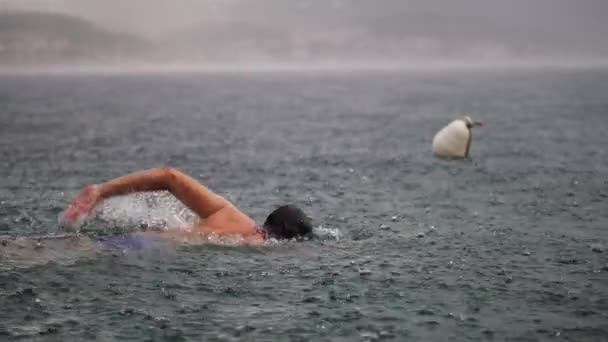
pixel 288 222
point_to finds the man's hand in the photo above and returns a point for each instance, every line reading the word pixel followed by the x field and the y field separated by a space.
pixel 78 209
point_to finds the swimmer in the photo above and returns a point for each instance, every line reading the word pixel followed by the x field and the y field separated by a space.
pixel 216 215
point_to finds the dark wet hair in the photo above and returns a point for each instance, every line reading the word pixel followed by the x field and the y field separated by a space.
pixel 288 222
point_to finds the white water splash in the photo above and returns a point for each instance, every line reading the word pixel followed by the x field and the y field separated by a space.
pixel 151 210
pixel 326 233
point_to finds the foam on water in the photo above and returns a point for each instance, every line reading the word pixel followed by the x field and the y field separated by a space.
pixel 327 233
pixel 141 211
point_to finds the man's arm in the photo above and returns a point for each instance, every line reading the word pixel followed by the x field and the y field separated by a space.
pixel 194 195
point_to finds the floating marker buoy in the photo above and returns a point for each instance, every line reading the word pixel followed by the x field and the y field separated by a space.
pixel 454 140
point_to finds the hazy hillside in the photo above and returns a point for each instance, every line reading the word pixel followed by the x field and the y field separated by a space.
pixel 443 29
pixel 279 31
pixel 392 31
pixel 41 38
pixel 389 41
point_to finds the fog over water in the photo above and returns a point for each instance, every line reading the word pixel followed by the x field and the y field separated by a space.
pixel 334 33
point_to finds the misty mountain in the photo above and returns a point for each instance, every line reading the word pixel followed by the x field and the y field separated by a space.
pixel 224 41
pixel 468 28
pixel 300 31
pixel 43 38
pixel 396 37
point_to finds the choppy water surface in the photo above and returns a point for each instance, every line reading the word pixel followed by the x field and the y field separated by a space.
pixel 510 245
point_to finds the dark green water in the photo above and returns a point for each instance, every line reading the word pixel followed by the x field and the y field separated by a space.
pixel 509 246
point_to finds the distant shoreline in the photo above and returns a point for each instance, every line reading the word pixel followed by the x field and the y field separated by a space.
pixel 162 68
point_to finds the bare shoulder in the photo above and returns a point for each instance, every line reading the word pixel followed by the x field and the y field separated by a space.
pixel 229 220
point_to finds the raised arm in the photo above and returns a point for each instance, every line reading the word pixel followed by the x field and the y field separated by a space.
pixel 193 194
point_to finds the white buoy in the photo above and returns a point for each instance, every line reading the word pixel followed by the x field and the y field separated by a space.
pixel 454 140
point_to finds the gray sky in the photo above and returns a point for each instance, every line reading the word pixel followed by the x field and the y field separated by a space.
pixel 147 16
pixel 562 26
